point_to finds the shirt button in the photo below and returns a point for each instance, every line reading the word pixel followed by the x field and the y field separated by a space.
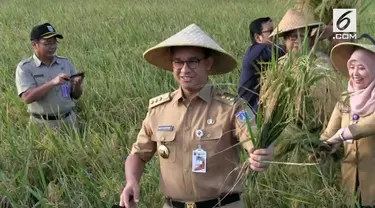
pixel 187 128
pixel 186 170
pixel 185 149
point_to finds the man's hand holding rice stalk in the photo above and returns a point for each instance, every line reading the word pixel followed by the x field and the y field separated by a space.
pixel 280 89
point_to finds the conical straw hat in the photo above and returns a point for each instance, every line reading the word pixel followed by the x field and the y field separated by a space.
pixel 341 53
pixel 294 19
pixel 192 35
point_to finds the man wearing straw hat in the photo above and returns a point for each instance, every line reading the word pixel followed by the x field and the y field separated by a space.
pixel 292 28
pixel 193 129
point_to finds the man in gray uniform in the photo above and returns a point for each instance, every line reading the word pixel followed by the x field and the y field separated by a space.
pixel 44 81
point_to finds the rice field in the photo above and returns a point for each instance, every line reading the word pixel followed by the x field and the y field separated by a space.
pixel 106 40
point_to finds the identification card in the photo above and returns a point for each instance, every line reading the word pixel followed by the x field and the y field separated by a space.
pixel 199 160
pixel 65 90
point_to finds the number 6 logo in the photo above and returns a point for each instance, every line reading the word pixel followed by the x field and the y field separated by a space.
pixel 344 20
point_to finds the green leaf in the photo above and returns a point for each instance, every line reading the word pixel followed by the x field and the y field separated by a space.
pixel 248 123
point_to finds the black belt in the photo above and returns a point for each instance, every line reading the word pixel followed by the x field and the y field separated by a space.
pixel 50 117
pixel 205 204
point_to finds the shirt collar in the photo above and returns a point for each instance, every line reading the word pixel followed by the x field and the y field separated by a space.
pixel 38 62
pixel 206 93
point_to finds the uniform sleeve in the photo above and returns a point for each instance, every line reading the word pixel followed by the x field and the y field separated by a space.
pixel 24 80
pixel 249 79
pixel 334 123
pixel 144 147
pixel 241 131
pixel 72 69
pixel 363 129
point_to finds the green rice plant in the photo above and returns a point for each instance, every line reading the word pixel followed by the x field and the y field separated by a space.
pixel 314 108
pixel 272 116
pixel 288 98
pixel 303 144
pixel 88 169
pixel 314 95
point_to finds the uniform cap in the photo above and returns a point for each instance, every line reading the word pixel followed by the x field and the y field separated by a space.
pixel 45 30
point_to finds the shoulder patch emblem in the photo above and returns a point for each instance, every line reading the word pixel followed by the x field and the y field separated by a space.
pixel 241 116
pixel 159 100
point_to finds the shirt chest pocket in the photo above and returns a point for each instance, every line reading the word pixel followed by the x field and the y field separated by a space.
pixel 40 79
pixel 215 142
pixel 211 138
pixel 166 145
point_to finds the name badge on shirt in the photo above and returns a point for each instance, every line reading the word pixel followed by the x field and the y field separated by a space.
pixel 199 163
pixel 38 75
pixel 65 90
pixel 165 128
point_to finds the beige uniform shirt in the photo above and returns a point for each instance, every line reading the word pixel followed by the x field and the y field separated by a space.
pixel 32 72
pixel 175 125
pixel 359 155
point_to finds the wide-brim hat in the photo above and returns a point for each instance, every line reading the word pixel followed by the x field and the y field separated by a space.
pixel 192 35
pixel 293 20
pixel 341 53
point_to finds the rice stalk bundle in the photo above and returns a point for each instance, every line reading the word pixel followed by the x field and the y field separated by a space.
pixel 288 97
pixel 296 144
pixel 276 94
pixel 324 94
pixel 315 93
pixel 279 90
